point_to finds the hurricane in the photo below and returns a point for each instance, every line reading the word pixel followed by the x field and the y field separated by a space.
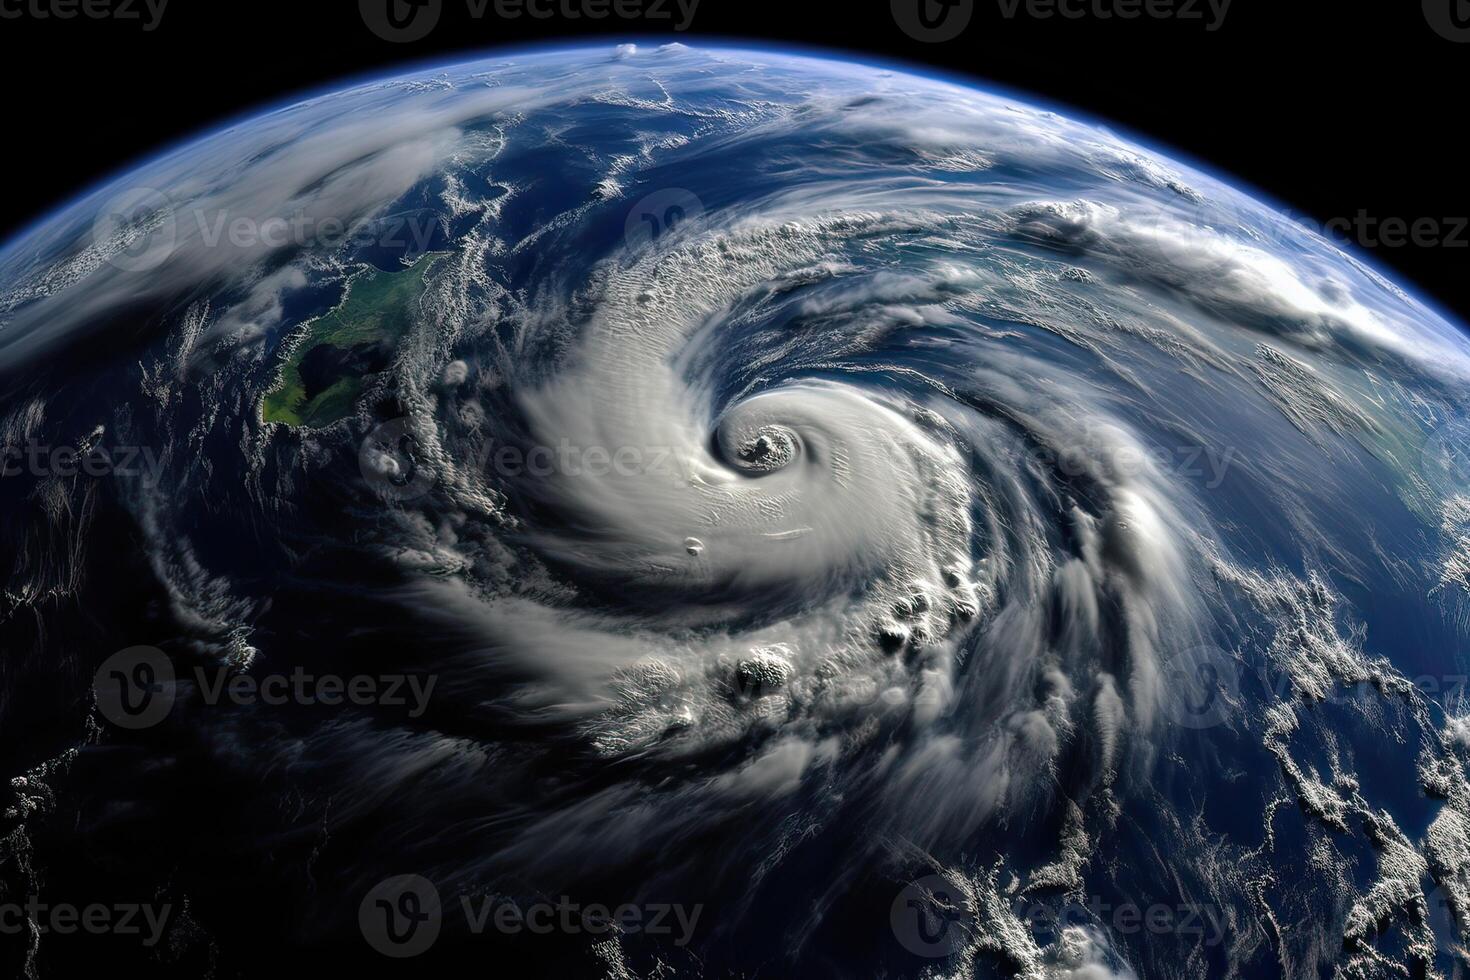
pixel 894 527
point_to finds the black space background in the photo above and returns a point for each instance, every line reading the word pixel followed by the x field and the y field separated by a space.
pixel 1331 108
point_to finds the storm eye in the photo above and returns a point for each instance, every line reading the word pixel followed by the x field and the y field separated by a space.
pixel 767 449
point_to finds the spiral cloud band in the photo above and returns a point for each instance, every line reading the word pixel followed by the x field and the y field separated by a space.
pixel 800 480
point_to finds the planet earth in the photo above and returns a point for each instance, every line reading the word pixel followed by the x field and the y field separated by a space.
pixel 655 511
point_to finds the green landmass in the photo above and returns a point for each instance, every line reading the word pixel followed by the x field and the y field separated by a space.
pixel 364 327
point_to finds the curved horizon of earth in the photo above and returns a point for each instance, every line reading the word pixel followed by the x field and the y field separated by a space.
pixel 777 516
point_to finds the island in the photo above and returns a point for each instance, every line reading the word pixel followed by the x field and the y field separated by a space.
pixel 323 372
